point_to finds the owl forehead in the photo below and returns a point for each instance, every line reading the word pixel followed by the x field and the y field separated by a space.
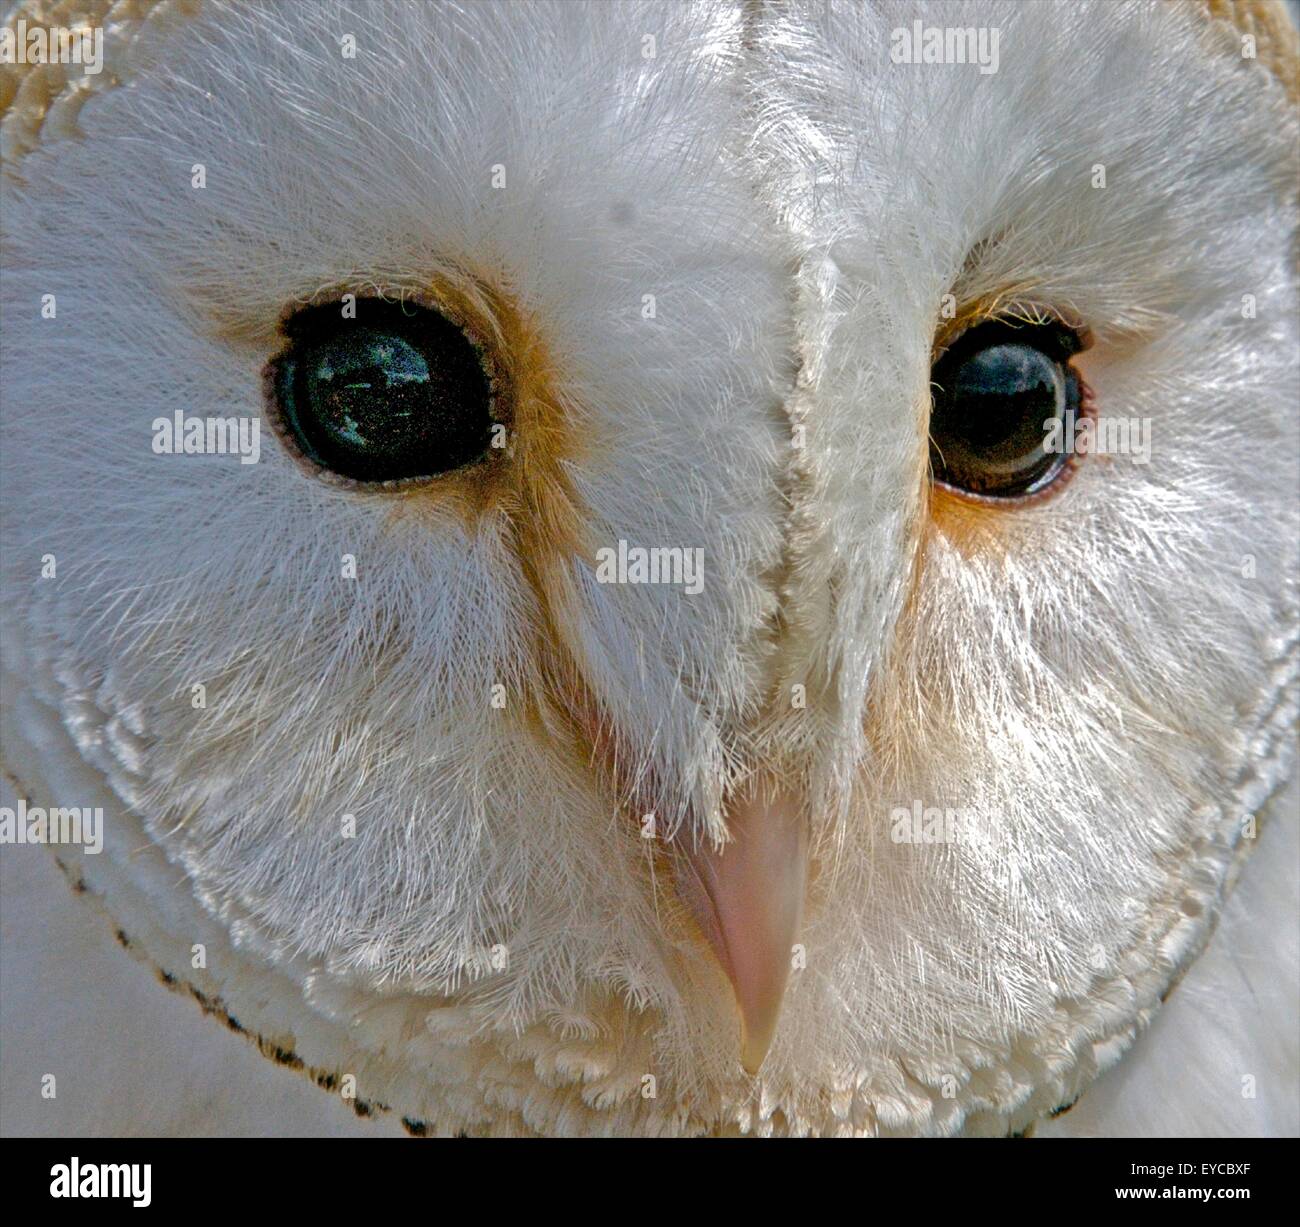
pixel 32 93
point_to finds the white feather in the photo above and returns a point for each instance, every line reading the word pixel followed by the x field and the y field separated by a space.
pixel 1097 676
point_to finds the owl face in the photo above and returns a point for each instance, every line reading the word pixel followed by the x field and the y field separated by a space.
pixel 672 665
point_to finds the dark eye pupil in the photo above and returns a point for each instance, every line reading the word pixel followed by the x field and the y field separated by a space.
pixel 397 392
pixel 995 392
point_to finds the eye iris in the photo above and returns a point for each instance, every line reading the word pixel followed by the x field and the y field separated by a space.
pixel 395 393
pixel 995 393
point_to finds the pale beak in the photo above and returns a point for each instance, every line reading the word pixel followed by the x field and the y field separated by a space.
pixel 748 898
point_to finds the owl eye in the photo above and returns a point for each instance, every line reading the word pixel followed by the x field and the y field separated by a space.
pixel 996 393
pixel 399 392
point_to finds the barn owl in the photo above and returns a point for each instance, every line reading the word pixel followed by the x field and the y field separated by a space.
pixel 655 569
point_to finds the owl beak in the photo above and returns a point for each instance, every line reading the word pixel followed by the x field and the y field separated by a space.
pixel 747 898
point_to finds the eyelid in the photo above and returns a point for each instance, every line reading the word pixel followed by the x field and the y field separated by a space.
pixel 1020 315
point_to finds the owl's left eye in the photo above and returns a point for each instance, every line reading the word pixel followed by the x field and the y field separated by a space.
pixel 1003 396
pixel 389 392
